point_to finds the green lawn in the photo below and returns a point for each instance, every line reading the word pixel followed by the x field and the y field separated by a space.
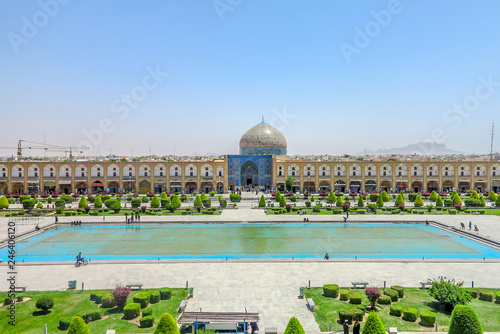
pixel 327 309
pixel 70 303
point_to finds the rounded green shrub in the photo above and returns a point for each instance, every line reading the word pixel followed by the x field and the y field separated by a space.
pixel 486 296
pixel 147 322
pixel 392 293
pixel 154 297
pixel 373 324
pixel 91 316
pixel 331 290
pixel 294 327
pixel 464 320
pixel 399 289
pixel 131 311
pixel 410 314
pixel 427 318
pixel 142 298
pixel 350 315
pixel 96 297
pixel 7 300
pixel 147 311
pixel 361 307
pixel 396 310
pixel 166 325
pixel 64 324
pixel 78 326
pixel 384 300
pixel 108 301
pixel 45 303
pixel 355 299
pixel 344 295
pixel 165 294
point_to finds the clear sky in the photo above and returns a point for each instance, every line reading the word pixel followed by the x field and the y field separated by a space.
pixel 333 76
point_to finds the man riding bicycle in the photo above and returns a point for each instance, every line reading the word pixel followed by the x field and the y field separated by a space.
pixel 79 257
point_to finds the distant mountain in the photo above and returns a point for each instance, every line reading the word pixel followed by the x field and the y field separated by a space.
pixel 421 148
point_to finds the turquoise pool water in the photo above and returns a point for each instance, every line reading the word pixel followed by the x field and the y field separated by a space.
pixel 202 241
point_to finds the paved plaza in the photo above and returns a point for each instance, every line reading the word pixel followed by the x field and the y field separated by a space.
pixel 268 287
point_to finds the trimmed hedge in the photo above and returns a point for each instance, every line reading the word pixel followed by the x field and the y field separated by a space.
pixel 473 292
pixel 344 295
pixel 146 322
pixel 464 320
pixel 384 300
pixel 45 303
pixel 142 298
pixel 331 290
pixel 131 311
pixel 486 296
pixel 399 289
pixel 165 294
pixel 96 297
pixel 410 314
pixel 108 301
pixel 355 299
pixel 147 311
pixel 396 310
pixel 392 293
pixel 64 324
pixel 427 318
pixel 350 315
pixel 497 298
pixel 154 297
pixel 361 307
pixel 91 316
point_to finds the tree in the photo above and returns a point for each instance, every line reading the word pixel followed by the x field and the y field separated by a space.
pixel 361 202
pixel 120 294
pixel 98 202
pixel 483 201
pixel 289 183
pixel 278 196
pixel 115 206
pixel 282 201
pixel 294 327
pixel 433 196
pixel 439 202
pixel 464 320
pixel 456 199
pixel 176 202
pixel 331 198
pixel 418 201
pixel 83 202
pixel 449 292
pixel 474 194
pixel 197 201
pixel 340 202
pixel 385 196
pixel 373 324
pixel 262 202
pixel 492 196
pixel 380 202
pixel 29 203
pixel 78 326
pixel 155 202
pixel 399 200
pixel 166 325
pixel 373 294
pixel 4 202
pixel 203 197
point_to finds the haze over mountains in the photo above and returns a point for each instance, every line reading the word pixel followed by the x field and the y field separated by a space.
pixel 421 148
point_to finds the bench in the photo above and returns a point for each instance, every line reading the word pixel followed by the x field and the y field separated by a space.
pixel 20 289
pixel 355 284
pixel 271 330
pixel 310 304
pixel 393 330
pixel 182 306
pixel 138 286
pixel 425 285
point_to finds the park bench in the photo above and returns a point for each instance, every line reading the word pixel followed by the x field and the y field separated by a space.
pixel 355 284
pixel 393 330
pixel 310 304
pixel 138 286
pixel 20 289
pixel 271 330
pixel 425 285
pixel 182 306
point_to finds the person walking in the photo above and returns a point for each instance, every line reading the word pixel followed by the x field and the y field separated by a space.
pixel 346 326
pixel 356 327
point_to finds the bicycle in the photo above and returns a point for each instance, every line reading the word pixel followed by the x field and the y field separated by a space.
pixel 81 262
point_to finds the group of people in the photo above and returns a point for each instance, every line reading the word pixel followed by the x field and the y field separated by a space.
pixel 355 328
pixel 76 222
pixel 462 226
pixel 306 220
pixel 131 219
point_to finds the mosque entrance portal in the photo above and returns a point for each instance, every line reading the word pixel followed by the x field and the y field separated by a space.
pixel 250 173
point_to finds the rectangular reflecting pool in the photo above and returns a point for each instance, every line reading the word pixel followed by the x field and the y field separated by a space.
pixel 212 241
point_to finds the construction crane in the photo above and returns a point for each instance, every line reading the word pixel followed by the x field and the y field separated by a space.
pixel 39 146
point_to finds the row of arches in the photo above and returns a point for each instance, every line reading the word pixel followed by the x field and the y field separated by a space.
pixel 113 170
pixel 402 170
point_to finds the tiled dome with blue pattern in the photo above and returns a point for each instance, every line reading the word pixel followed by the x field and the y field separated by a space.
pixel 263 139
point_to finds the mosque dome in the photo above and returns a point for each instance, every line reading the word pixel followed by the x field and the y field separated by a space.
pixel 263 139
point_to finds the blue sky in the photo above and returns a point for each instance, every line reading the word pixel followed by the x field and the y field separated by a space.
pixel 231 61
